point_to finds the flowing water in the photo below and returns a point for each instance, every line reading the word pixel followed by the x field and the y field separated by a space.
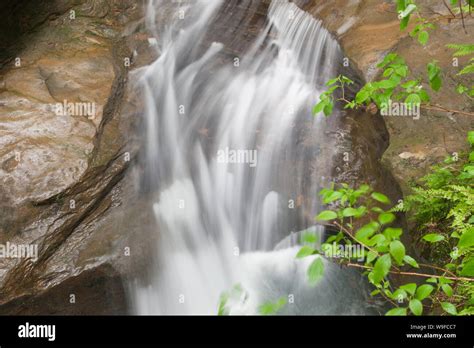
pixel 223 160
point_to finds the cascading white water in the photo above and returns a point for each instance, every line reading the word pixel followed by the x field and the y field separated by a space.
pixel 220 217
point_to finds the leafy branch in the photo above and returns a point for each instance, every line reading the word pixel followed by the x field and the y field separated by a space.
pixel 395 85
pixel 447 196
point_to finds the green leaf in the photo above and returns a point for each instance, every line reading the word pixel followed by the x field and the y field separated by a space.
pixel 360 211
pixel 349 212
pixel 423 291
pixel 435 83
pixel 309 237
pixel 332 197
pixel 380 197
pixel 381 268
pixel 316 271
pixel 404 23
pixel 384 84
pixel 327 110
pixel 402 71
pixel 347 80
pixel 410 288
pixel 392 233
pixel 408 10
pixel 387 60
pixel 371 256
pixel 386 218
pixel 401 5
pixel 433 70
pixel 470 137
pixel 449 308
pixel 461 89
pixel 399 294
pixel 362 96
pixel 378 239
pixel 350 105
pixel 444 280
pixel 366 231
pixel 423 37
pixel 332 81
pixel 305 250
pixel 399 311
pixel 447 289
pixel 331 90
pixel 319 107
pixel 326 215
pixel 411 261
pixel 413 99
pixel 467 239
pixel 270 308
pixel 388 72
pixel 364 188
pixel 424 95
pixel 434 76
pixel 222 309
pixel 433 237
pixel 415 31
pixel 415 306
pixel 410 84
pixel 397 250
pixel 468 269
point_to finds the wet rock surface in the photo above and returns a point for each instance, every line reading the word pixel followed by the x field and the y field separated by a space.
pixel 61 172
pixel 99 291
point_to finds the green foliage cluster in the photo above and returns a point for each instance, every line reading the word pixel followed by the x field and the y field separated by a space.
pixel 460 51
pixel 443 205
pixel 396 83
pixel 407 8
pixel 238 295
pixel 444 202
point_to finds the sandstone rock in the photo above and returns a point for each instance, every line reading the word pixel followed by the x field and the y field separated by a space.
pixel 60 173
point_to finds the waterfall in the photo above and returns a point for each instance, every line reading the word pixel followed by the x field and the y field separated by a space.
pixel 223 161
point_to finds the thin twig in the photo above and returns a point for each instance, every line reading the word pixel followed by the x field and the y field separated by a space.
pixel 449 8
pixel 424 275
pixel 462 17
pixel 438 268
pixel 442 108
pixel 346 231
pixel 397 271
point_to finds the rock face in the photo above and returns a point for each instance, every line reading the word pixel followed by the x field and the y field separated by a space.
pixel 369 29
pixel 61 166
